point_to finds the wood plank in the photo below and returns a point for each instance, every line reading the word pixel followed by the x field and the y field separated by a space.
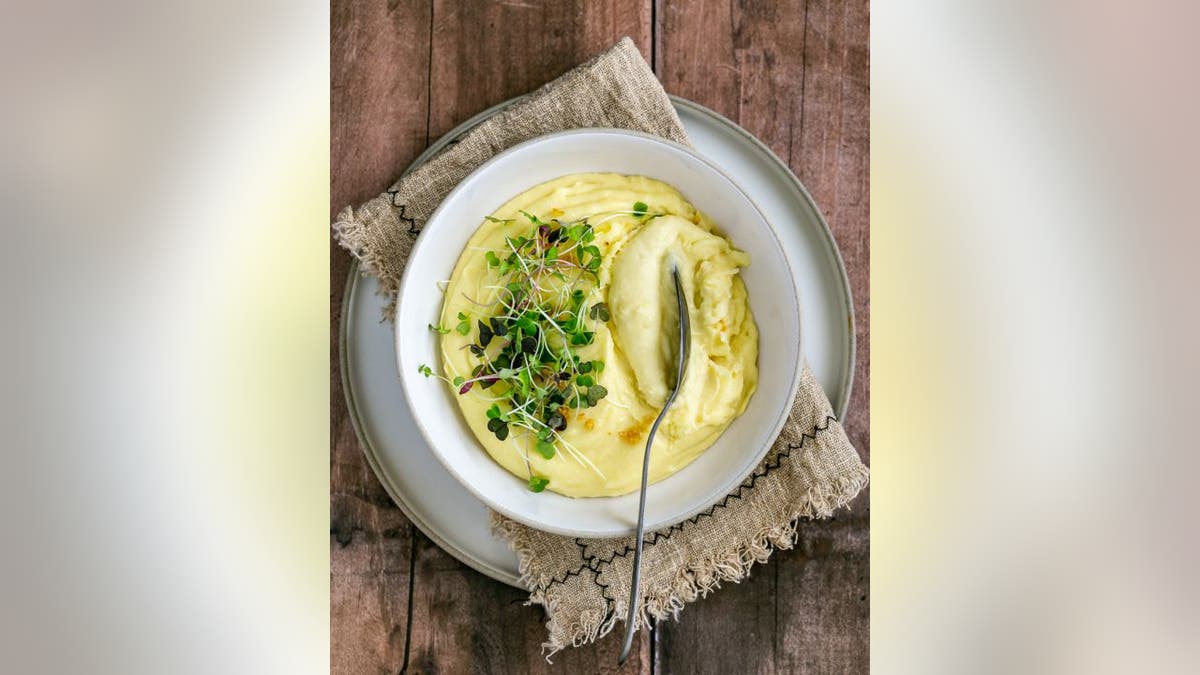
pixel 731 631
pixel 488 52
pixel 807 611
pixel 484 53
pixel 370 567
pixel 464 622
pixel 824 624
pixel 694 55
pixel 823 614
pixel 795 74
pixel 379 94
pixel 379 108
pixel 830 153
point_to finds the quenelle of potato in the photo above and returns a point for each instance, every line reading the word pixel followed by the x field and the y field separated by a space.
pixel 637 342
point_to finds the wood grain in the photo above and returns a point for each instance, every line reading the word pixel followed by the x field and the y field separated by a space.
pixel 464 622
pixel 379 72
pixel 796 75
pixel 823 614
pixel 379 94
pixel 488 52
pixel 831 156
pixel 807 611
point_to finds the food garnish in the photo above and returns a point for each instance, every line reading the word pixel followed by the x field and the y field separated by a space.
pixel 529 333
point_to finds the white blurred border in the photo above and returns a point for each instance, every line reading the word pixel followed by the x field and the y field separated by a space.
pixel 166 176
pixel 1030 507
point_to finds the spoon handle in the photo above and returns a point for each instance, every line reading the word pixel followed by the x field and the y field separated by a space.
pixel 685 345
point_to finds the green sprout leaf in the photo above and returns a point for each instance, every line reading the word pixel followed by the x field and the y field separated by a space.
pixel 595 393
pixel 599 311
pixel 640 208
pixel 494 411
pixel 438 329
pixel 425 370
pixel 545 449
pixel 537 483
pixel 589 257
pixel 529 344
pixel 498 427
pixel 527 324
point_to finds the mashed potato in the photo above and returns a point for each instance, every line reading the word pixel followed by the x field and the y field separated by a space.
pixel 637 343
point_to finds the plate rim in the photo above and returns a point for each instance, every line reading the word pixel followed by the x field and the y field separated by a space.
pixel 351 286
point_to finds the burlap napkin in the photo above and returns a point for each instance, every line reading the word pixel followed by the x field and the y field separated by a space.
pixel 583 584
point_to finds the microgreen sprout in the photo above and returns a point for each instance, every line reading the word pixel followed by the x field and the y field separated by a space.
pixel 464 324
pixel 528 338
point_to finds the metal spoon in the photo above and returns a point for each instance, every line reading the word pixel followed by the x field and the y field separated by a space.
pixel 685 348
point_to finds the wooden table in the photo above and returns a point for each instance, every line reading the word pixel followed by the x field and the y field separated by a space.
pixel 405 72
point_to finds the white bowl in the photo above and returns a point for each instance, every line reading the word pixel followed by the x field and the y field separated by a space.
pixel 773 299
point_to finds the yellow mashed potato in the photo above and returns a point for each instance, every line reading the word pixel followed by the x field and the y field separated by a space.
pixel 637 344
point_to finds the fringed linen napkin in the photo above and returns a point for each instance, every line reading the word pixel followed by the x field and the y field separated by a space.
pixel 583 584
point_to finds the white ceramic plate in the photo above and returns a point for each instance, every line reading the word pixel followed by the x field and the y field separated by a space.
pixel 436 503
pixel 769 284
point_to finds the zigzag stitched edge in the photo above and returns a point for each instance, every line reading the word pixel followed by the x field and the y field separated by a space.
pixel 593 563
pixel 412 223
